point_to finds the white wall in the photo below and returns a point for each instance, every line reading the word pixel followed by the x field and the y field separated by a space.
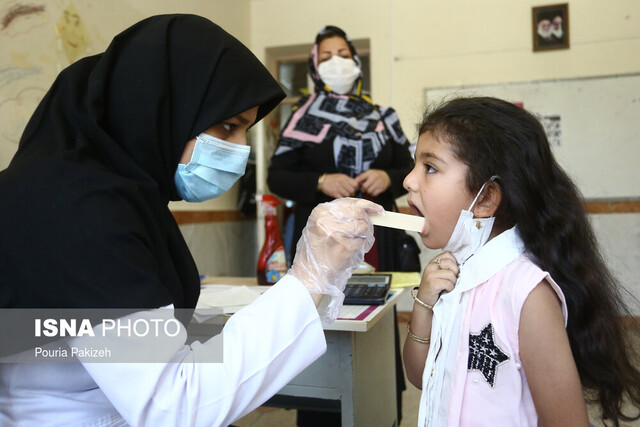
pixel 469 43
pixel 417 44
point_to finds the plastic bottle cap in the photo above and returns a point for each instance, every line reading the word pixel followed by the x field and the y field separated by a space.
pixel 269 199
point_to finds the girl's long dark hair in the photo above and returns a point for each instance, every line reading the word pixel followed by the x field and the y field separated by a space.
pixel 495 137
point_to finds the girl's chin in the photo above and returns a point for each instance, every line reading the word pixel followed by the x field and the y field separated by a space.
pixel 428 241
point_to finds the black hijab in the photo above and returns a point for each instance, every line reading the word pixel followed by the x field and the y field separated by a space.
pixel 85 222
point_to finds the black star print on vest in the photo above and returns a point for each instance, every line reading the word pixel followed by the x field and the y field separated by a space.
pixel 484 355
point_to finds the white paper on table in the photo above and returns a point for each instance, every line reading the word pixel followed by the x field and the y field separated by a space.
pixel 230 298
pixel 350 312
pixel 227 298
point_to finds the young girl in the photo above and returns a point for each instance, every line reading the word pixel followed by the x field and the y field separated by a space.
pixel 519 314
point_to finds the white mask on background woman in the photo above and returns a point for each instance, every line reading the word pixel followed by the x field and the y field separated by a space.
pixel 213 169
pixel 339 74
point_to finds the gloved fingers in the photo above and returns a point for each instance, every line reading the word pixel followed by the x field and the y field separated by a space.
pixel 339 255
pixel 349 217
pixel 368 206
pixel 345 209
pixel 327 258
pixel 352 240
pixel 344 221
pixel 343 228
pixel 333 243
pixel 354 208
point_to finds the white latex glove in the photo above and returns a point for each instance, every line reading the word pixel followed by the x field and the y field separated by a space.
pixel 333 244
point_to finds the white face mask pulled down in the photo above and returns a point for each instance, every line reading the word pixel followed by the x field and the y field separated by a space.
pixel 339 74
pixel 470 233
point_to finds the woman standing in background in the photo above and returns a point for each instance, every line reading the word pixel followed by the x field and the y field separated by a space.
pixel 338 143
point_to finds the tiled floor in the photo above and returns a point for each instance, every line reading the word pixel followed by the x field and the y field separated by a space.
pixel 272 417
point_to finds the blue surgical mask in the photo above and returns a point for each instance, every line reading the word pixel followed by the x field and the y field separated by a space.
pixel 214 167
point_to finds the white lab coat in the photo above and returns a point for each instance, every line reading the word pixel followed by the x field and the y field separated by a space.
pixel 266 344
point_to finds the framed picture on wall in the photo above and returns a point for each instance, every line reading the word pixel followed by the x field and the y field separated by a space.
pixel 550 27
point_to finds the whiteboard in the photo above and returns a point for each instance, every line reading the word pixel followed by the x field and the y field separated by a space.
pixel 595 122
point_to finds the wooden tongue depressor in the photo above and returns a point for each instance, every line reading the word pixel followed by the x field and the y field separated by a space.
pixel 398 220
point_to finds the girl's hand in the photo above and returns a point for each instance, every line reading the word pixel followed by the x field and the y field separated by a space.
pixel 339 185
pixel 373 182
pixel 440 275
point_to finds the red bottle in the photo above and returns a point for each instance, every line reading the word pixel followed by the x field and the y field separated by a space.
pixel 272 261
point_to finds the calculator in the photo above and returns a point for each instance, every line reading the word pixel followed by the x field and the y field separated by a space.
pixel 367 289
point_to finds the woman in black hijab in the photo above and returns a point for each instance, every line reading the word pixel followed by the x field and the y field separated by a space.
pixel 86 225
pixel 89 186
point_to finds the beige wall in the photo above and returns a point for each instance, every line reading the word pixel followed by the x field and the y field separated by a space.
pixel 31 53
pixel 105 19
